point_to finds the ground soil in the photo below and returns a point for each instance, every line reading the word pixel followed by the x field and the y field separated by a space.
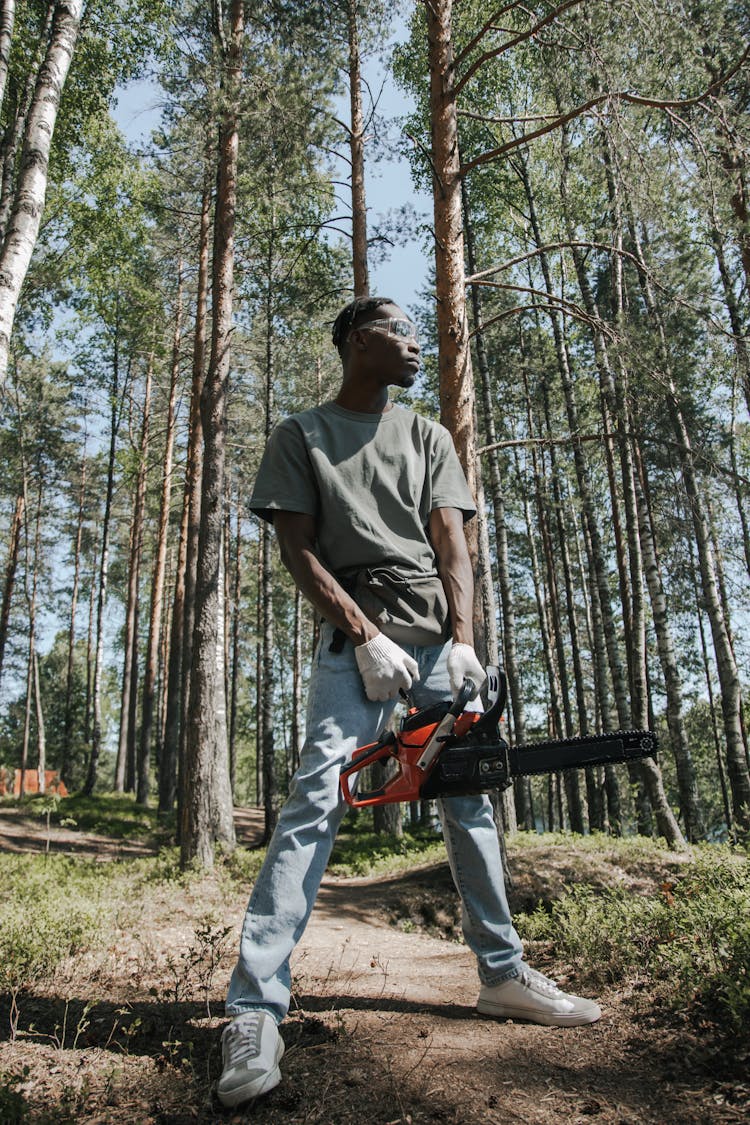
pixel 383 1028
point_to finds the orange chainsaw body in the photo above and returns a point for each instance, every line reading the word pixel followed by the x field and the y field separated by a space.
pixel 405 749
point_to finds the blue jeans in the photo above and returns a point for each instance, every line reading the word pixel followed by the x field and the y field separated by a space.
pixel 340 718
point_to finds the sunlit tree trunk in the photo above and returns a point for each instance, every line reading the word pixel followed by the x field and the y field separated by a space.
pixel 14 132
pixel 731 697
pixel 31 186
pixel 686 779
pixel 14 544
pixel 356 147
pixel 7 19
pixel 68 715
pixel 170 744
pixel 102 577
pixel 151 670
pixel 454 359
pixel 208 813
pixel 31 579
pixel 124 771
pixel 522 808
pixel 235 653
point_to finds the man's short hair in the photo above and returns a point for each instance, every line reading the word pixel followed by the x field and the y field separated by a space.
pixel 357 312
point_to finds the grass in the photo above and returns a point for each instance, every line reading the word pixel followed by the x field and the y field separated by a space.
pixel 359 852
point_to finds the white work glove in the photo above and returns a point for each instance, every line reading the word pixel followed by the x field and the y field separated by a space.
pixel 463 664
pixel 385 668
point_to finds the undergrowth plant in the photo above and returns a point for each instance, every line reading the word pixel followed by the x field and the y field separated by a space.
pixel 51 910
pixel 692 939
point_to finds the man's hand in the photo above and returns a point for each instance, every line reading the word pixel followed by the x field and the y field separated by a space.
pixel 385 668
pixel 463 664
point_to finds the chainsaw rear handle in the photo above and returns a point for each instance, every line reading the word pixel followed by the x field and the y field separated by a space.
pixel 409 774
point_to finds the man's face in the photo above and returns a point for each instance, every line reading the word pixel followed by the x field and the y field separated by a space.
pixel 394 356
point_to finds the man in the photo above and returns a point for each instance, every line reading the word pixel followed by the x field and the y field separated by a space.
pixel 368 501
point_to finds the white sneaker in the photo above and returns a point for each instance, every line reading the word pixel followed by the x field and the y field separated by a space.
pixel 532 996
pixel 251 1048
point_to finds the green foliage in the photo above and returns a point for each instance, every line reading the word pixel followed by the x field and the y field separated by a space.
pixel 51 910
pixel 692 939
pixel 359 851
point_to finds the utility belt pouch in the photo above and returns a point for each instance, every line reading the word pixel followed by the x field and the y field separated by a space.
pixel 409 608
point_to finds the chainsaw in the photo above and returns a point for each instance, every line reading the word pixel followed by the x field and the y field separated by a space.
pixel 444 751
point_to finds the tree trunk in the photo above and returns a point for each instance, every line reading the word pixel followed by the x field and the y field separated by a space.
pixel 128 707
pixel 11 566
pixel 193 481
pixel 357 147
pixel 32 673
pixel 68 716
pixel 16 127
pixel 298 720
pixel 208 813
pixel 267 747
pixel 170 745
pixel 731 698
pixel 686 779
pixel 7 19
pixel 235 655
pixel 521 811
pixel 31 188
pixel 454 359
pixel 151 670
pixel 595 549
pixel 614 401
pixel 101 592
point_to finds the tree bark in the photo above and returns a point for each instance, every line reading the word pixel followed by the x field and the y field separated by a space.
pixel 454 358
pixel 128 708
pixel 26 212
pixel 521 811
pixel 208 813
pixel 151 670
pixel 65 754
pixel 194 480
pixel 731 696
pixel 101 591
pixel 357 150
pixel 11 567
pixel 7 19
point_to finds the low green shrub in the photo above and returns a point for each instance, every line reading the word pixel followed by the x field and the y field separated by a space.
pixel 359 852
pixel 692 939
pixel 51 910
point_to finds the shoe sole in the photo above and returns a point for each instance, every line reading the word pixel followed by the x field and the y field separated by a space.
pixel 551 1019
pixel 232 1098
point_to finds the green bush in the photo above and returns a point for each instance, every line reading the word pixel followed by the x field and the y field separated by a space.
pixel 692 939
pixel 51 910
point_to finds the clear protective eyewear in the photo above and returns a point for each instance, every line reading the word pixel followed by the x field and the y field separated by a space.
pixel 394 326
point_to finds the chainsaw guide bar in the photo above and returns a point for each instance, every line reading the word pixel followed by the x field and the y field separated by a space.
pixel 443 751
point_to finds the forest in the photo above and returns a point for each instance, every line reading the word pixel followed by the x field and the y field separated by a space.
pixel 584 338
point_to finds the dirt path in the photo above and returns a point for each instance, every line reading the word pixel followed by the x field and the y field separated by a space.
pixel 383 1031
pixel 22 831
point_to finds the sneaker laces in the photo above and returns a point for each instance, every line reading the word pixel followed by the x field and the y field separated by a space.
pixel 242 1040
pixel 536 980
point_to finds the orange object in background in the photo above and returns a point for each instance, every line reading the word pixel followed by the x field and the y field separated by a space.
pixel 52 783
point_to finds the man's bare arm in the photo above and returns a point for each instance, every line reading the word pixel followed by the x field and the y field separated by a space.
pixel 295 532
pixel 454 567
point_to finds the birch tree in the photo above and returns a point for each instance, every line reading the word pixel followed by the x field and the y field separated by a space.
pixel 22 230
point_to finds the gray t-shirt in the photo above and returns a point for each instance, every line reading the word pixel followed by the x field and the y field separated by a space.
pixel 369 480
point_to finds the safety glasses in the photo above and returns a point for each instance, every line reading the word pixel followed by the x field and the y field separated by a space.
pixel 394 326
